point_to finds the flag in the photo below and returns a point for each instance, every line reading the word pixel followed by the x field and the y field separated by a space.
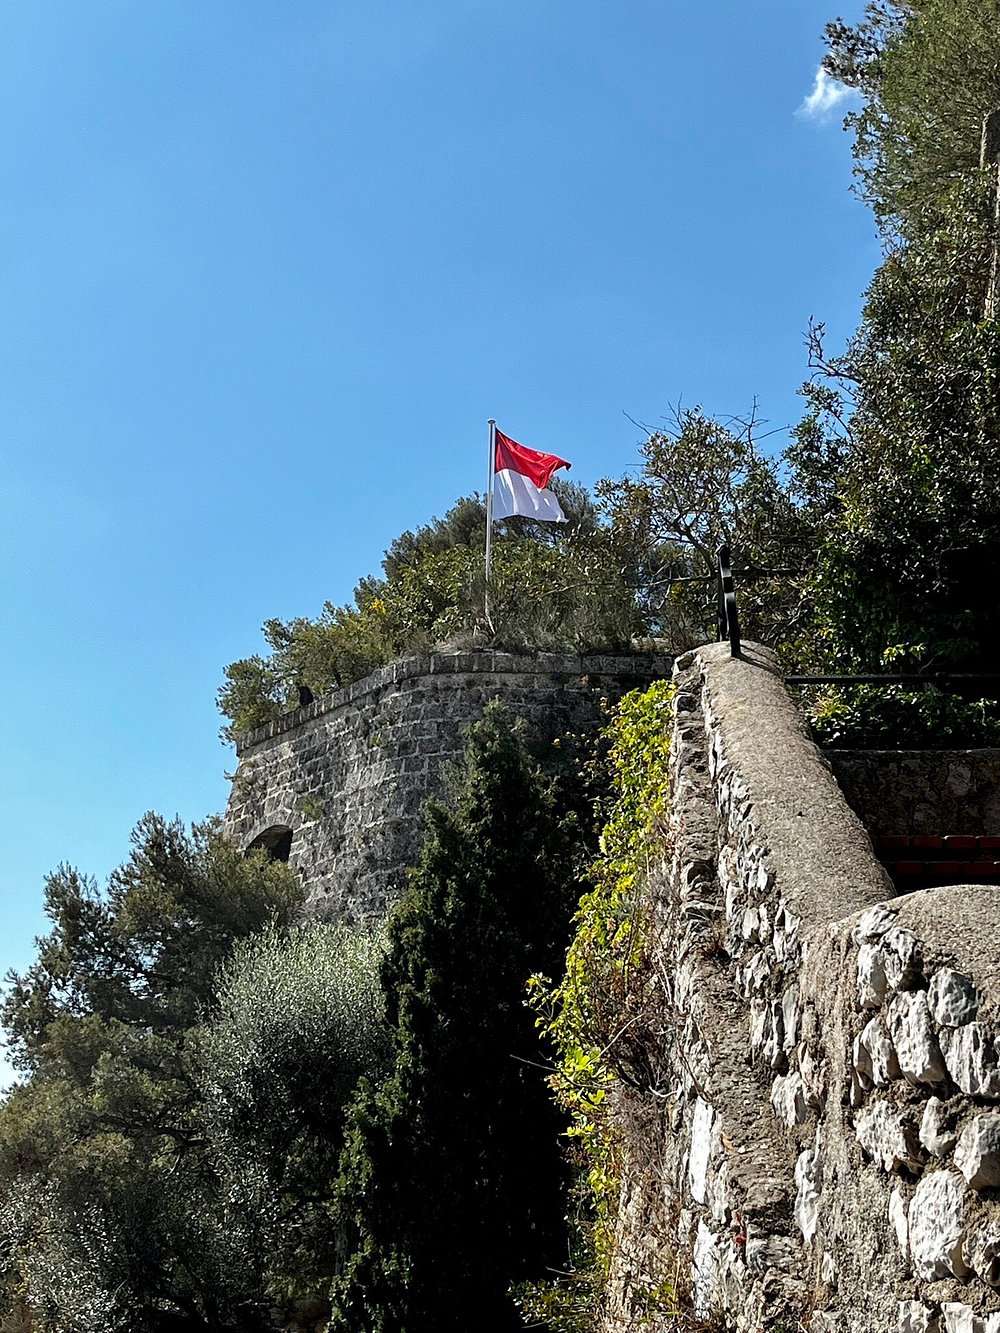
pixel 521 479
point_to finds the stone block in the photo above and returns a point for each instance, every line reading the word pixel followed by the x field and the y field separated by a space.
pixel 809 1189
pixel 971 1059
pixel 898 1205
pixel 861 1071
pixel 912 1034
pixel 937 1131
pixel 872 983
pixel 887 1139
pixel 977 1155
pixel 937 1217
pixel 902 958
pixel 982 1249
pixel 952 997
pixel 915 1317
pixel 959 1318
pixel 789 1100
pixel 700 1155
pixel 882 1063
pixel 790 1017
pixel 767 1252
pixel 874 923
pixel 704 1269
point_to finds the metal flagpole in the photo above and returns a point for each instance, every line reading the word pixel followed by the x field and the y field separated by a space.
pixel 489 515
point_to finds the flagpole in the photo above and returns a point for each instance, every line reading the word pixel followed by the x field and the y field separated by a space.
pixel 489 515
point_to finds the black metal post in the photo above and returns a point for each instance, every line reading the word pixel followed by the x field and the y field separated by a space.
pixel 729 620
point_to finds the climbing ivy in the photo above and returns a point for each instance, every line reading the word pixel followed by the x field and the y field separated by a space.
pixel 598 1015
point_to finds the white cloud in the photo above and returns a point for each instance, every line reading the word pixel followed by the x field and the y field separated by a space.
pixel 826 96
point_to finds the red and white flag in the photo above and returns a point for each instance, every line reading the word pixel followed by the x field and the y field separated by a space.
pixel 521 479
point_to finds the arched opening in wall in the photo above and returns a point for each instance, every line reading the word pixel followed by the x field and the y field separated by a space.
pixel 276 841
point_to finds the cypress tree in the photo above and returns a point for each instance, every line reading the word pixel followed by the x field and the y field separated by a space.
pixel 452 1174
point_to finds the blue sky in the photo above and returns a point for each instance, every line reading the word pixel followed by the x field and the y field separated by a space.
pixel 267 268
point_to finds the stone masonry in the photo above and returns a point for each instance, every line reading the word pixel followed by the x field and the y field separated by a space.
pixel 828 1150
pixel 347 775
pixel 921 791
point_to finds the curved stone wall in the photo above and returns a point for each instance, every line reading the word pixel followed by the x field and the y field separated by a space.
pixel 347 775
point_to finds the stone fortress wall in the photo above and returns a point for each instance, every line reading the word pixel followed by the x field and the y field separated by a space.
pixel 825 1150
pixel 337 787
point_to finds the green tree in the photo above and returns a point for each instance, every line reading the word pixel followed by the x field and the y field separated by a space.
pixel 929 71
pixel 703 484
pixel 452 1173
pixel 111 1209
pixel 298 1019
pixel 912 404
pixel 553 586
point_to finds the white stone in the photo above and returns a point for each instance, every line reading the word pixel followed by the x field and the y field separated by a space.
pixel 719 1201
pixel 727 876
pixel 937 1218
pixel 765 923
pixel 828 1269
pixel 914 1317
pixel 982 1250
pixel 902 958
pixel 897 1216
pixel 872 984
pixel 826 1321
pixel 861 1060
pixel 958 1318
pixel 886 1139
pixel 809 1187
pixel 763 880
pixel 936 1132
pixel 760 1019
pixel 883 1065
pixel 873 923
pixel 991 1324
pixel 971 1059
pixel 978 1153
pixel 767 1031
pixel 702 1124
pixel 705 1262
pixel 750 929
pixel 952 997
pixel 913 1036
pixel 786 934
pixel 755 974
pixel 789 1100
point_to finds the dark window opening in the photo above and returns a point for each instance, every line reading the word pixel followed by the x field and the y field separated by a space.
pixel 276 841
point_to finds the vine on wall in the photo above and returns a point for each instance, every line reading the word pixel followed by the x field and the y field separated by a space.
pixel 598 1015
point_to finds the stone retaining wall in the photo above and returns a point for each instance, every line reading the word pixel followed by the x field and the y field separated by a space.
pixel 349 773
pixel 828 1150
pixel 910 792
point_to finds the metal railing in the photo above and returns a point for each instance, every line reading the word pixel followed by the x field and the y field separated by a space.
pixel 729 628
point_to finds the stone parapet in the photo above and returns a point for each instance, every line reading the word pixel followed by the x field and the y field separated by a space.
pixel 348 774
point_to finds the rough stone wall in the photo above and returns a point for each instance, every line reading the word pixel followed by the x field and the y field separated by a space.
pixel 349 773
pixel 909 792
pixel 828 1150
